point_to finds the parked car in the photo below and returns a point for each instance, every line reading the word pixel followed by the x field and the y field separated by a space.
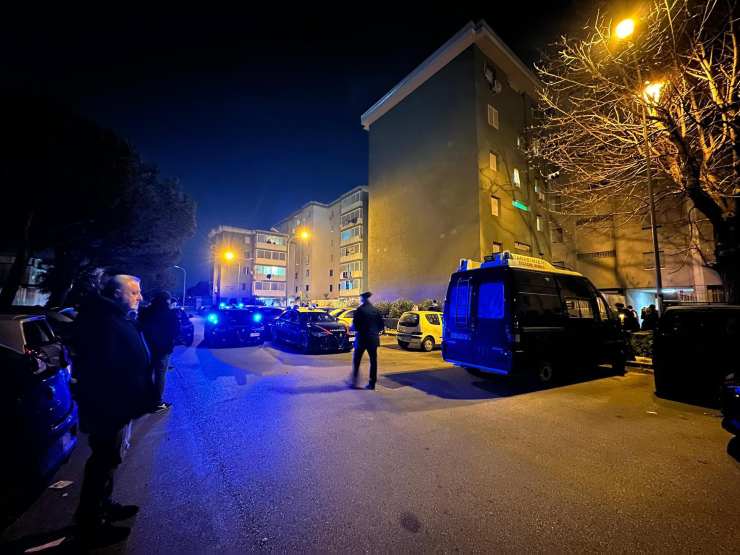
pixel 311 330
pixel 420 329
pixel 59 318
pixel 694 349
pixel 269 315
pixel 187 330
pixel 346 316
pixel 37 405
pixel 516 314
pixel 233 326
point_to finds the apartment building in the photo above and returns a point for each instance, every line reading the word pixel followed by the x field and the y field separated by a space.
pixel 248 265
pixel 448 178
pixel 327 249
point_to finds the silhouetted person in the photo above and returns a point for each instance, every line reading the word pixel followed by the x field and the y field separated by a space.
pixel 368 325
pixel 650 319
pixel 627 318
pixel 161 326
pixel 113 371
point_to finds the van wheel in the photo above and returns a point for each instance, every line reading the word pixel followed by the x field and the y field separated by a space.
pixel 545 372
pixel 403 344
pixel 428 344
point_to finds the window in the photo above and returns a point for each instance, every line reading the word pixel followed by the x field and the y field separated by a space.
pixel 306 260
pixel 307 287
pixel 296 275
pixel 539 223
pixel 296 289
pixel 522 246
pixel 579 308
pixel 270 255
pixel 261 270
pixel 331 287
pixel 351 199
pixel 461 303
pixel 352 217
pixel 603 310
pixel 492 162
pixel 349 268
pixel 270 239
pixel 307 272
pixel 492 117
pixel 491 301
pixel 37 333
pixel 331 273
pixel 269 285
pixel 520 142
pixel 352 233
pixel 495 206
pixel 516 179
pixel 433 319
pixel 536 186
pixel 496 247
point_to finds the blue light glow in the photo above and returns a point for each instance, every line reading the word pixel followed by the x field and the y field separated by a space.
pixel 212 318
pixel 257 317
pixel 221 305
pixel 240 305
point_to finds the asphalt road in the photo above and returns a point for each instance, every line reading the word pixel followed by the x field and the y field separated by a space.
pixel 268 450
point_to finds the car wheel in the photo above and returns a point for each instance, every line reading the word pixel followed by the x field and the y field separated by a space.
pixel 428 344
pixel 545 372
pixel 403 344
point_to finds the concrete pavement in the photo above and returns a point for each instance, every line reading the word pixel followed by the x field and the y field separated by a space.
pixel 267 450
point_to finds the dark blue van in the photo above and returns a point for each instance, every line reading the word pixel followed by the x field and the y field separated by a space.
pixel 516 314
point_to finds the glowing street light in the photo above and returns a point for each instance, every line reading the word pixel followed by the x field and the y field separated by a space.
pixel 651 92
pixel 305 235
pixel 229 255
pixel 624 28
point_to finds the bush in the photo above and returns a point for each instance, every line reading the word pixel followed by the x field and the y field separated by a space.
pixel 399 306
pixel 640 343
pixel 384 308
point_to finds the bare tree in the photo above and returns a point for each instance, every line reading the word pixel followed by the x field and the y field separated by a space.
pixel 666 90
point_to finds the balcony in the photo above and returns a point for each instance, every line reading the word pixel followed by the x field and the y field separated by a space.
pixel 272 247
pixel 352 239
pixel 353 222
pixel 351 257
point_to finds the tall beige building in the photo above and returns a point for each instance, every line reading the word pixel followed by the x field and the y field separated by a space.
pixel 248 265
pixel 327 249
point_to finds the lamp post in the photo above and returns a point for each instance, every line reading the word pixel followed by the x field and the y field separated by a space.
pixel 651 93
pixel 184 280
pixel 303 235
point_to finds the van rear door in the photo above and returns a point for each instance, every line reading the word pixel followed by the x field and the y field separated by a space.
pixel 492 316
pixel 458 346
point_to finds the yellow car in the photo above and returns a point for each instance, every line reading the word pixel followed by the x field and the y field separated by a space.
pixel 345 316
pixel 421 329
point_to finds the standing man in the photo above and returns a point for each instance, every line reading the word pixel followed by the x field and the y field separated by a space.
pixel 368 325
pixel 113 371
pixel 161 327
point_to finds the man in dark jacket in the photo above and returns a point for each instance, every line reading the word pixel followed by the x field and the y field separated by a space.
pixel 161 327
pixel 113 370
pixel 368 325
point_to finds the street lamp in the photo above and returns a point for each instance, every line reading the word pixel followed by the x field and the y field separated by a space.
pixel 304 235
pixel 650 94
pixel 184 280
pixel 228 256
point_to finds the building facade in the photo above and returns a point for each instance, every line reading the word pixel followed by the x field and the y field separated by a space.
pixel 448 178
pixel 327 249
pixel 248 266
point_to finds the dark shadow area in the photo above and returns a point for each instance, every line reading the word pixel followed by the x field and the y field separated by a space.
pixel 704 401
pixel 18 496
pixel 733 448
pixel 218 346
pixel 460 384
pixel 333 388
pixel 213 368
pixel 68 545
pixel 397 347
pixel 292 349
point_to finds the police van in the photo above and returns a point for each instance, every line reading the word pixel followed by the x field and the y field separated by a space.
pixel 515 314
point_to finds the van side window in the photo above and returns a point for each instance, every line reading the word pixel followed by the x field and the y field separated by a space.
pixel 491 300
pixel 537 299
pixel 579 308
pixel 603 311
pixel 461 303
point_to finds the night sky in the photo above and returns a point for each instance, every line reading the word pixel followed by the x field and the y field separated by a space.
pixel 255 113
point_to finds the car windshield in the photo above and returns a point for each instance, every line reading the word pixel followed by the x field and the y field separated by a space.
pixel 37 333
pixel 238 317
pixel 316 317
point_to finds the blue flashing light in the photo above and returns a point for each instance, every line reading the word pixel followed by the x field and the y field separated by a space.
pixel 212 318
pixel 221 305
pixel 257 317
pixel 240 305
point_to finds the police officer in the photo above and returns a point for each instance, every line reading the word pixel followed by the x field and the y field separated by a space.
pixel 368 325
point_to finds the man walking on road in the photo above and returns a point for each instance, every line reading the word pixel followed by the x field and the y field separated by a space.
pixel 161 327
pixel 113 370
pixel 368 325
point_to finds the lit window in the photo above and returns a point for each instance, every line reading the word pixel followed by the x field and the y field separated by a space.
pixel 492 162
pixel 539 223
pixel 496 247
pixel 516 179
pixel 495 205
pixel 522 246
pixel 492 117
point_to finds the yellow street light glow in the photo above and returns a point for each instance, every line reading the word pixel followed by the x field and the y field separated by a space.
pixel 305 234
pixel 624 28
pixel 229 255
pixel 652 91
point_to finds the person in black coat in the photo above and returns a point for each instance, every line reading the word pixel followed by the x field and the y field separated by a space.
pixel 161 326
pixel 112 367
pixel 368 325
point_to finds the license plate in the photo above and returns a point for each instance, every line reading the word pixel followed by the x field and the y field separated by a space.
pixel 254 335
